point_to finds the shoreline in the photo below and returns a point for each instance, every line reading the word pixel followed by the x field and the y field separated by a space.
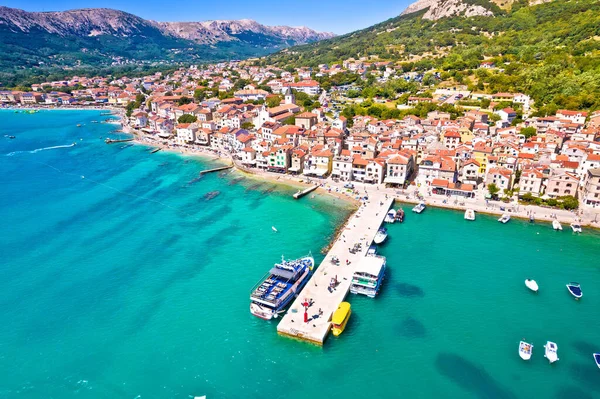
pixel 542 217
pixel 335 189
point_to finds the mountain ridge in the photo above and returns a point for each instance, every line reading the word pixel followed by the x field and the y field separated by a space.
pixel 103 36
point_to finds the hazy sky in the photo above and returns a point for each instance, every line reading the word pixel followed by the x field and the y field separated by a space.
pixel 338 16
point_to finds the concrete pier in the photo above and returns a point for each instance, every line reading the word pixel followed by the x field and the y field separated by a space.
pixel 110 141
pixel 203 172
pixel 360 228
pixel 302 193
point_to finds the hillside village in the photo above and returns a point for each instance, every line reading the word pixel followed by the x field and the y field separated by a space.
pixel 253 115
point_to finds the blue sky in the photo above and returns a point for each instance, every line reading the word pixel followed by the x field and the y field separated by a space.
pixel 338 16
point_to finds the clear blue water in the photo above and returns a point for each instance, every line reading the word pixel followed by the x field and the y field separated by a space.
pixel 129 282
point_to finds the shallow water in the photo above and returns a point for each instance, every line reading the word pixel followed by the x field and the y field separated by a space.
pixel 125 277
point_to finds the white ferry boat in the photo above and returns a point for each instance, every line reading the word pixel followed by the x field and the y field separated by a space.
pixel 368 276
pixel 280 286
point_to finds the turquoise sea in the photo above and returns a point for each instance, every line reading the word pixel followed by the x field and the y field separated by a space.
pixel 123 277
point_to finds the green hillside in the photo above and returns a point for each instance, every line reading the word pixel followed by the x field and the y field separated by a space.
pixel 549 51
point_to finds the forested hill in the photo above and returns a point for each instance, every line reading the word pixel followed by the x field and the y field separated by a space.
pixel 549 50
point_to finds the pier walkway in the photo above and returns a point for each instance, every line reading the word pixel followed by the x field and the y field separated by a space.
pixel 302 193
pixel 203 172
pixel 360 228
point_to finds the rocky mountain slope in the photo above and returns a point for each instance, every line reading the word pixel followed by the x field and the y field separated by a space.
pixel 437 9
pixel 93 36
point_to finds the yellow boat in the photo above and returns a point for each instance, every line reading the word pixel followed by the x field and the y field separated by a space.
pixel 340 318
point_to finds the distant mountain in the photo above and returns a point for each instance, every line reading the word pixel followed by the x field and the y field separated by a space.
pixel 104 36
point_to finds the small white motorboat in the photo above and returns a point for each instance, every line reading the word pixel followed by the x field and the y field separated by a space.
pixel 419 208
pixel 576 227
pixel 390 217
pixel 525 350
pixel 551 351
pixel 274 229
pixel 532 285
pixel 597 359
pixel 556 225
pixel 469 214
pixel 380 236
pixel 504 219
pixel 575 290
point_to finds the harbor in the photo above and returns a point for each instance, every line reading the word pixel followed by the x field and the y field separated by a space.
pixel 331 282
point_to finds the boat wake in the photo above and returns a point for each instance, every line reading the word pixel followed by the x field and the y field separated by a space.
pixel 10 154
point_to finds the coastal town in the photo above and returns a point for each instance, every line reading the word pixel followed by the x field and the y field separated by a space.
pixel 492 154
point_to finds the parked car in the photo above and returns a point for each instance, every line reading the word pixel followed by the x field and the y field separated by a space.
pixel 349 185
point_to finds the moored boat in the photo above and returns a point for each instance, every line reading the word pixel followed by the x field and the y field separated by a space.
pixel 400 215
pixel 380 236
pixel 532 285
pixel 575 290
pixel 340 318
pixel 372 251
pixel 597 359
pixel 275 291
pixel 390 217
pixel 576 227
pixel 551 351
pixel 419 208
pixel 504 219
pixel 469 214
pixel 525 350
pixel 556 225
pixel 368 276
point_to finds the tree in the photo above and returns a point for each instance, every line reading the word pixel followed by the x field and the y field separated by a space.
pixel 493 189
pixel 187 118
pixel 569 202
pixel 183 100
pixel 528 132
pixel 273 101
pixel 198 95
pixel 129 109
pixel 247 126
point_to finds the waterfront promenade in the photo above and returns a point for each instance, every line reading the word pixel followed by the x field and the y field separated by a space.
pixel 360 228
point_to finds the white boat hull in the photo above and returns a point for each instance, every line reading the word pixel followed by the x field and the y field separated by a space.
pixel 525 350
pixel 470 214
pixel 551 352
pixel 532 285
pixel 379 238
pixel 556 225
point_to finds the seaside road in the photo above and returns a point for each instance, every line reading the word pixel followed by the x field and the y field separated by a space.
pixel 360 228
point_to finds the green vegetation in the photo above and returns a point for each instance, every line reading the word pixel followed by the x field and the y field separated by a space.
pixel 493 190
pixel 187 118
pixel 528 132
pixel 550 51
pixel 567 202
